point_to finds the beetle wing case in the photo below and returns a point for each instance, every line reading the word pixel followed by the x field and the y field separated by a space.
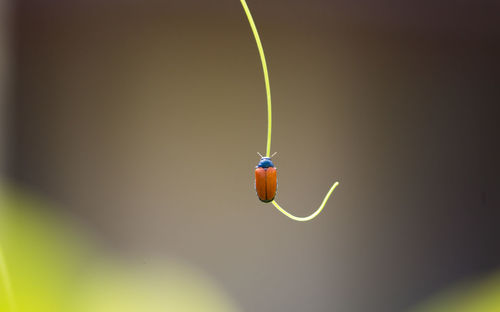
pixel 266 183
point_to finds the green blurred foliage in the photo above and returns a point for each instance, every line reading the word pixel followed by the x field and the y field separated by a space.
pixel 482 295
pixel 53 268
pixel 161 287
pixel 43 255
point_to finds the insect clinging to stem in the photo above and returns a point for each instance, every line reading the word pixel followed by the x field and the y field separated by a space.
pixel 266 182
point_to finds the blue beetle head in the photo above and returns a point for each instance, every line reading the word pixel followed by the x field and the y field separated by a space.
pixel 265 162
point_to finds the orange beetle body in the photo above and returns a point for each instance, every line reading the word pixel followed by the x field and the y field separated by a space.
pixel 266 182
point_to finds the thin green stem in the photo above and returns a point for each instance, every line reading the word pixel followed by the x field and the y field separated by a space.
pixel 314 214
pixel 269 118
pixel 266 75
pixel 4 275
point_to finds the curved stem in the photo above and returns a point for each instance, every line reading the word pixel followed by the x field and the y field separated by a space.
pixel 314 214
pixel 269 118
pixel 4 275
pixel 266 75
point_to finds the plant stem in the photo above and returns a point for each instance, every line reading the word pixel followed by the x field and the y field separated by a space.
pixel 266 75
pixel 269 118
pixel 314 214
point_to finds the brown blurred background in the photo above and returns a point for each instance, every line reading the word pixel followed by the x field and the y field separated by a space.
pixel 143 119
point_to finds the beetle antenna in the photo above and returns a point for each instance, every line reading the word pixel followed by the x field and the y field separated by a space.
pixel 273 154
pixel 260 154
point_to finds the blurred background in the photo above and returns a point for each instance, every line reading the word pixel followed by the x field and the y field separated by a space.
pixel 129 132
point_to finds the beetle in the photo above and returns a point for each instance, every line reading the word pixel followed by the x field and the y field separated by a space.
pixel 266 182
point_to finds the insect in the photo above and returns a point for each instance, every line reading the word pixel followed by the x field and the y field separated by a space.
pixel 266 182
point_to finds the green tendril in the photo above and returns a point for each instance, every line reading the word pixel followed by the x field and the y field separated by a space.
pixel 269 118
pixel 266 75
